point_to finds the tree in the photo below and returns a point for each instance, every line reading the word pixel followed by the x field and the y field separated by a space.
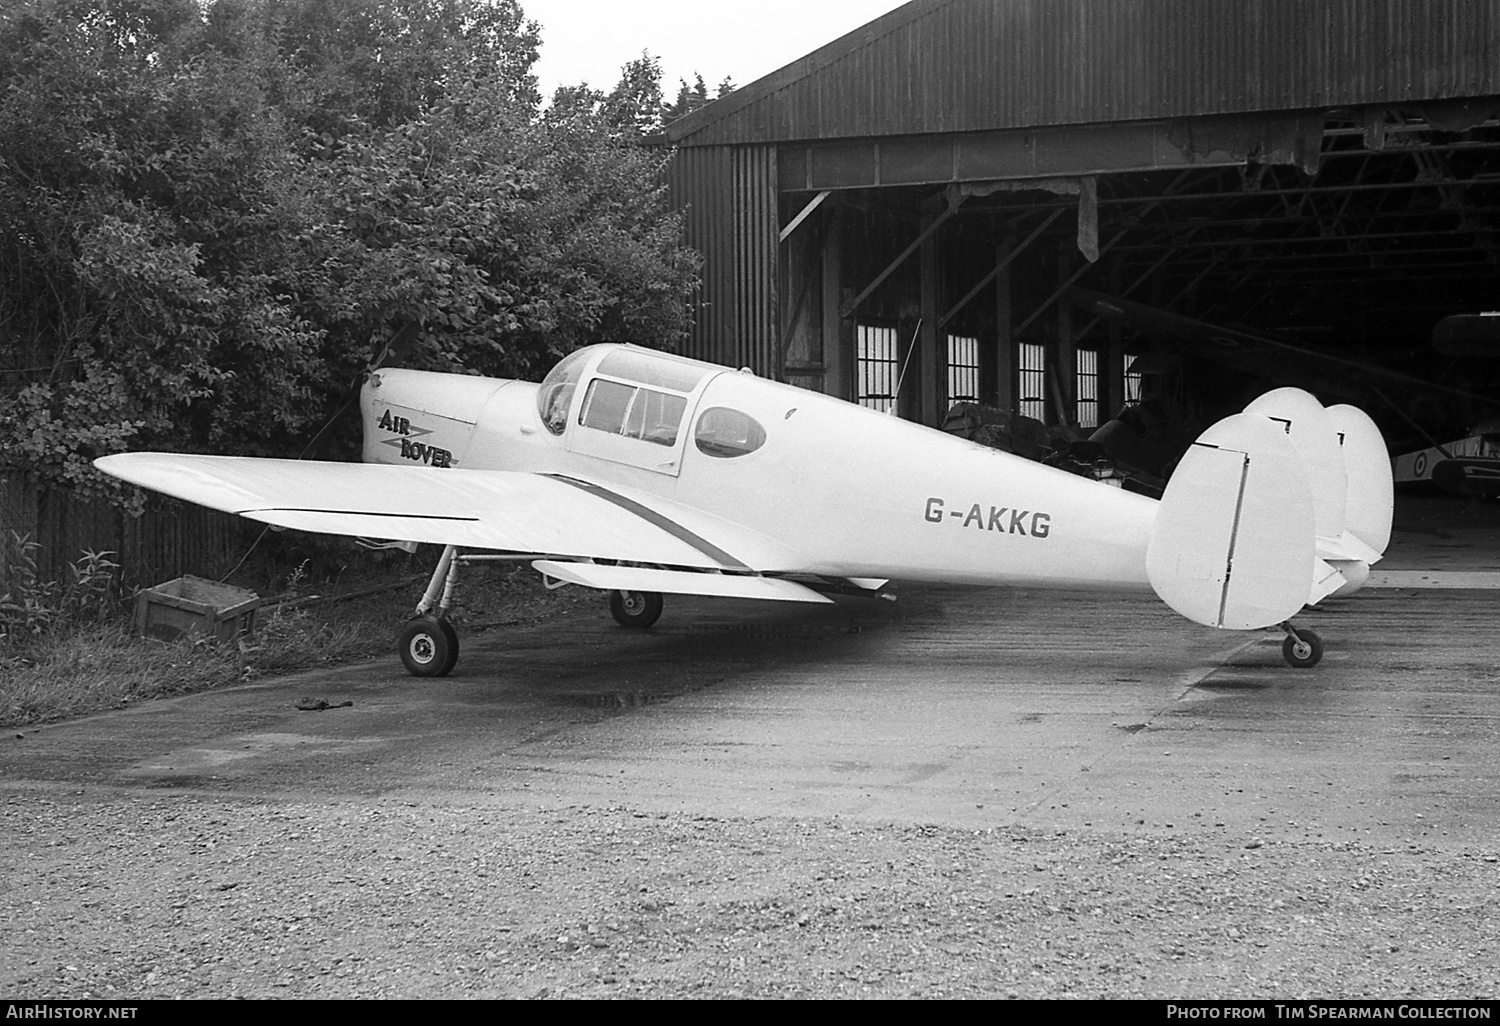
pixel 634 106
pixel 382 64
pixel 689 99
pixel 234 206
pixel 138 228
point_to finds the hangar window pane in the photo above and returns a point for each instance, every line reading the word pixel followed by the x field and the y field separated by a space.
pixel 1132 387
pixel 1087 407
pixel 1031 362
pixel 877 367
pixel 963 369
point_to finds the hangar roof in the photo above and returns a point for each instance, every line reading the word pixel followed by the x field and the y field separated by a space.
pixel 984 65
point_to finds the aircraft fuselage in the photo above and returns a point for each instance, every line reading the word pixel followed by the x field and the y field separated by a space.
pixel 828 487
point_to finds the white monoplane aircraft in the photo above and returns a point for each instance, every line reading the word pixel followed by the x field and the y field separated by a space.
pixel 638 473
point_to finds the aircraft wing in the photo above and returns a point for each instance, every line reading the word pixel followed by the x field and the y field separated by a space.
pixel 483 509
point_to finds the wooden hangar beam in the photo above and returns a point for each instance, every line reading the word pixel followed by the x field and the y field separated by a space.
pixel 1070 151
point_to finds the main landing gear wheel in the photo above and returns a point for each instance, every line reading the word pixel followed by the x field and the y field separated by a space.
pixel 428 647
pixel 1302 649
pixel 635 608
pixel 452 636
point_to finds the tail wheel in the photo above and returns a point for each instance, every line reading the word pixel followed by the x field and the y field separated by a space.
pixel 1302 649
pixel 635 608
pixel 428 647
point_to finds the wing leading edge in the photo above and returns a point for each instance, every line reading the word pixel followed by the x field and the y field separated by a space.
pixel 486 509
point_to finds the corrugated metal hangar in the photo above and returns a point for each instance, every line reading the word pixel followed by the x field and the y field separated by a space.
pixel 1047 205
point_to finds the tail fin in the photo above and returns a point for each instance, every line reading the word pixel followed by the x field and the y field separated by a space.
pixel 1275 508
pixel 1311 432
pixel 1370 495
pixel 1343 560
pixel 1348 469
pixel 1234 534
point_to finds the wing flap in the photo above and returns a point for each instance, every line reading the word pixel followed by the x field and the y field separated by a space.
pixel 677 582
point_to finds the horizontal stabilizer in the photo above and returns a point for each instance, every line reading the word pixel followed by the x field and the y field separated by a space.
pixel 1346 546
pixel 1233 541
pixel 1326 580
pixel 676 582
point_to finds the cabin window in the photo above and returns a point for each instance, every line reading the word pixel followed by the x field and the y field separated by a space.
pixel 633 412
pixel 727 433
pixel 554 397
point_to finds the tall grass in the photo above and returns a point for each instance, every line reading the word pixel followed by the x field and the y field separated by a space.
pixel 82 666
pixel 104 667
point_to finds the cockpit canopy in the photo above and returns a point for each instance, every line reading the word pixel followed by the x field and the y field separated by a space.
pixel 555 396
pixel 635 392
pixel 643 395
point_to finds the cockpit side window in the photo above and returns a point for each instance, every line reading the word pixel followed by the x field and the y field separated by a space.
pixel 727 433
pixel 555 395
pixel 633 412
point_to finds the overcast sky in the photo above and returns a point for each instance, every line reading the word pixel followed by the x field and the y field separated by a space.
pixel 589 40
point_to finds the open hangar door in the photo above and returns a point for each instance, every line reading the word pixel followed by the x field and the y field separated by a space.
pixel 1350 256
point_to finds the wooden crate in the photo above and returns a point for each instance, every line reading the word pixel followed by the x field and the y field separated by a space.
pixel 192 606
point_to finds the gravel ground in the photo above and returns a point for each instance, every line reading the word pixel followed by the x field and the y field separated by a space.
pixel 124 895
pixel 128 870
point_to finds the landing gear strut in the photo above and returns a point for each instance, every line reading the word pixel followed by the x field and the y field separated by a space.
pixel 428 644
pixel 1302 648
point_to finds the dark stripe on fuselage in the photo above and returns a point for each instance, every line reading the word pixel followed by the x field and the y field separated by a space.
pixel 656 519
